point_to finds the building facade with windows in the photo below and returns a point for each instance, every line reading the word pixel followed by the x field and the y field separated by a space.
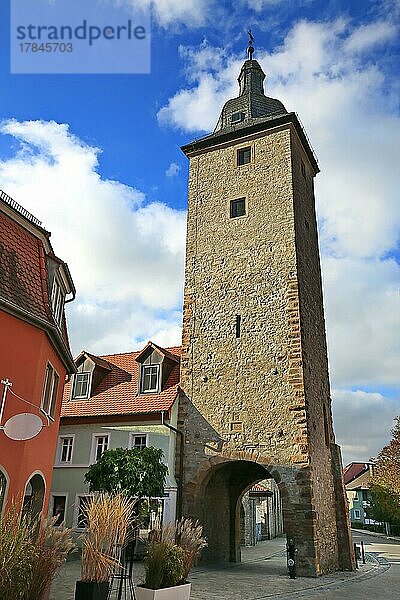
pixel 34 355
pixel 357 478
pixel 261 515
pixel 124 400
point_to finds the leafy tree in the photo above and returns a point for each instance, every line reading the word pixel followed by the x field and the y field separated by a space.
pixel 385 488
pixel 139 472
pixel 387 467
pixel 384 505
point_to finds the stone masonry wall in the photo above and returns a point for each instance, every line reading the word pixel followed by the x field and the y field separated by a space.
pixel 242 266
pixel 254 397
pixel 313 359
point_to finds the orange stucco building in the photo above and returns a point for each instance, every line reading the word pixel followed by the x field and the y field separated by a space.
pixel 34 355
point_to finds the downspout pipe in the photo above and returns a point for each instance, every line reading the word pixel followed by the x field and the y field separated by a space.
pixel 180 481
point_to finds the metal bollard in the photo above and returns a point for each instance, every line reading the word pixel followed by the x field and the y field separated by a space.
pixel 291 552
pixel 356 554
pixel 363 552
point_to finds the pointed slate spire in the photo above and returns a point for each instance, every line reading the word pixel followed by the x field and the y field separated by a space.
pixel 252 103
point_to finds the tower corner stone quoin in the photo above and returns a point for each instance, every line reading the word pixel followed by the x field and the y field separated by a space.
pixel 255 400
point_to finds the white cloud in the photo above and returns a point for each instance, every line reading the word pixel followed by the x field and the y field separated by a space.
pixel 363 422
pixel 192 13
pixel 363 320
pixel 259 5
pixel 172 170
pixel 125 255
pixel 368 36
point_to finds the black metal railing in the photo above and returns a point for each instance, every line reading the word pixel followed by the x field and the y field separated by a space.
pixel 20 209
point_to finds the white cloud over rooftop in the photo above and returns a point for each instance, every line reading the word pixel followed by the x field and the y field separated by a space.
pixel 125 254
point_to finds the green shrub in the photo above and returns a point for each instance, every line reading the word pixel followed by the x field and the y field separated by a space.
pixel 173 566
pixel 164 564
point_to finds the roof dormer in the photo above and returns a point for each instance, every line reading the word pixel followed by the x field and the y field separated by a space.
pixel 155 366
pixel 91 370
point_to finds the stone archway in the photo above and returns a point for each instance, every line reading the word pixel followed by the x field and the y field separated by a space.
pixel 219 506
pixel 34 494
pixel 213 495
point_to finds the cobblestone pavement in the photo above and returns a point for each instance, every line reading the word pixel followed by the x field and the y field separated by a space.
pixel 262 574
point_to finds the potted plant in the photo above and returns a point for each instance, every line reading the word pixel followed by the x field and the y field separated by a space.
pixel 109 518
pixel 31 551
pixel 171 554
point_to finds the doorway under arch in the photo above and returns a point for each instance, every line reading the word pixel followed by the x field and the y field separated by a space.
pixel 34 494
pixel 220 505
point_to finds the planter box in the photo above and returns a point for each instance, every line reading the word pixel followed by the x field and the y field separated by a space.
pixel 178 592
pixel 91 590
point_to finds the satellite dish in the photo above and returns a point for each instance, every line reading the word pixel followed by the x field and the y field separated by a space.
pixel 23 426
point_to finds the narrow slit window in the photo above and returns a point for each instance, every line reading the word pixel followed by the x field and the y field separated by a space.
pixel 238 208
pixel 237 325
pixel 326 428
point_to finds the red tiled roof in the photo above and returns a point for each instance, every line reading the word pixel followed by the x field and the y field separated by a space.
pixel 259 488
pixel 353 470
pixel 22 269
pixel 25 252
pixel 117 393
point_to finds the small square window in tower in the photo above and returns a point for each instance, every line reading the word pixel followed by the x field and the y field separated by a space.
pixel 238 207
pixel 237 117
pixel 243 156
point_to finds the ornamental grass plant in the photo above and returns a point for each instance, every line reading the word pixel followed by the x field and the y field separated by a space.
pixel 172 552
pixel 109 520
pixel 31 551
pixel 189 537
pixel 164 564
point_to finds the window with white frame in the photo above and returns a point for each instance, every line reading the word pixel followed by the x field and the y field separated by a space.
pixel 99 446
pixel 150 378
pixel 138 441
pixel 66 445
pixel 57 300
pixel 50 390
pixel 82 502
pixel 81 385
pixel 356 514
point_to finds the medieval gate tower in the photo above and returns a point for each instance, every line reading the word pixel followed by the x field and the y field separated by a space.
pixel 255 399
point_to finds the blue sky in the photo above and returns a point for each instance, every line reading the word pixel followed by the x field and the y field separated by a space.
pixel 97 158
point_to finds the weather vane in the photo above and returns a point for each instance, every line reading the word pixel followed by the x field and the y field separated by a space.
pixel 250 47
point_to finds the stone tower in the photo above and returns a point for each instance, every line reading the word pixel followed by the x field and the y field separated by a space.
pixel 255 399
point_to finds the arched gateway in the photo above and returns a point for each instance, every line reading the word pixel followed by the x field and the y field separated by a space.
pixel 255 397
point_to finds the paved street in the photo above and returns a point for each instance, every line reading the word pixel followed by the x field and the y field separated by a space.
pixel 262 574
